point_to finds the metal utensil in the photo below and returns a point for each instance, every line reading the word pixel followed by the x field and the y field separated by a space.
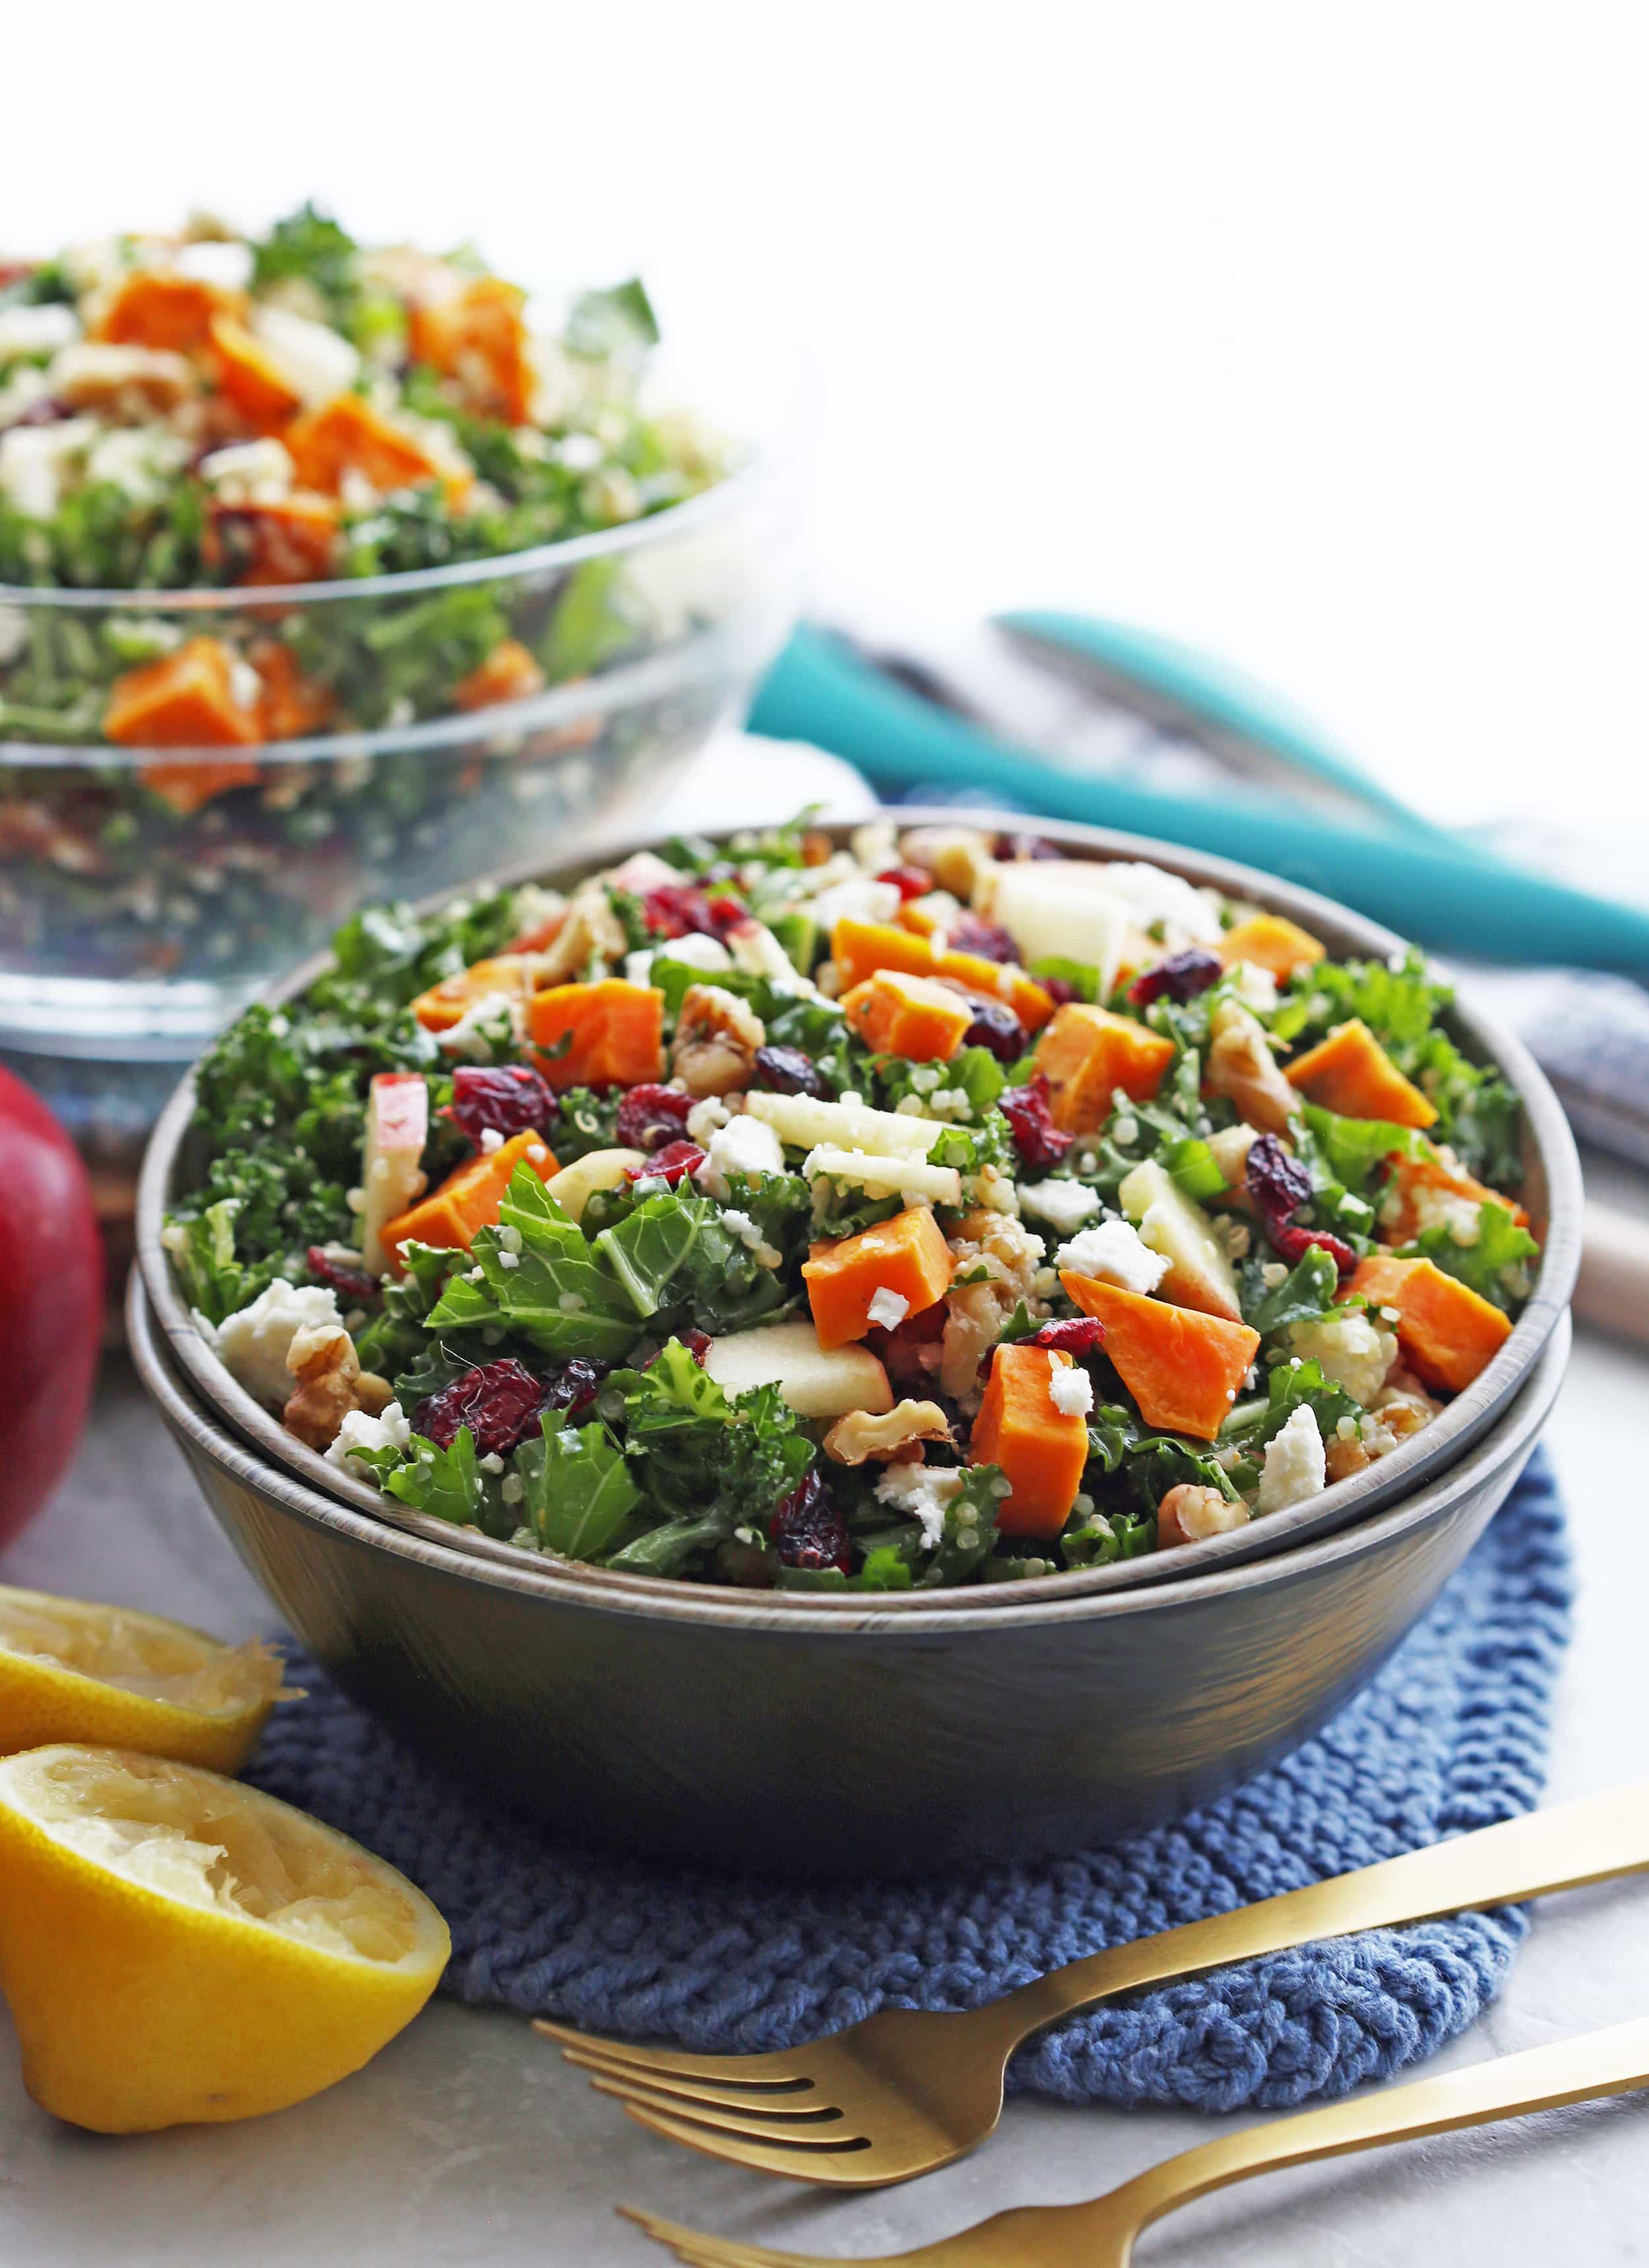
pixel 1101 2233
pixel 907 2091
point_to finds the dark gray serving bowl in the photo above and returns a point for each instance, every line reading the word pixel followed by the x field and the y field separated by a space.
pixel 800 1735
pixel 1551 1192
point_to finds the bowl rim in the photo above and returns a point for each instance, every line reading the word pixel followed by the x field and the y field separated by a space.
pixel 1462 1421
pixel 769 1614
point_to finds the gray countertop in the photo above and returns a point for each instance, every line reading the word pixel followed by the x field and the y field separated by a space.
pixel 467 2140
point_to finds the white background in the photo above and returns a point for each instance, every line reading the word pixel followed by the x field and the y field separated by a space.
pixel 1312 332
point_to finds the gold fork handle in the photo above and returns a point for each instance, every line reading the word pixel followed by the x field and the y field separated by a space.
pixel 1557 1850
pixel 1542 2079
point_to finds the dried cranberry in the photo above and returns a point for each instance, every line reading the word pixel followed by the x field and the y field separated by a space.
pixel 996 1026
pixel 807 1530
pixel 511 1099
pixel 1292 1244
pixel 986 940
pixel 1027 846
pixel 1059 989
pixel 1181 976
pixel 575 1385
pixel 725 914
pixel 1277 1183
pixel 1077 1335
pixel 909 881
pixel 1038 1141
pixel 354 1288
pixel 787 1070
pixel 499 1402
pixel 670 1165
pixel 652 1115
pixel 676 907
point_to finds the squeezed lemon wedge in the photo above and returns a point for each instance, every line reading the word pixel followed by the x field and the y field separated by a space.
pixel 177 1948
pixel 72 1670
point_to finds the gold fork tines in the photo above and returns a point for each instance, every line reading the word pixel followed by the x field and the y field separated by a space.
pixel 905 2092
pixel 1102 2232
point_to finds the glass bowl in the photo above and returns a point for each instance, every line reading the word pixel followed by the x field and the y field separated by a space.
pixel 147 893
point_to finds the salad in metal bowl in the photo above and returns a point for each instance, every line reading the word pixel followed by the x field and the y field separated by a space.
pixel 938 1210
pixel 321 569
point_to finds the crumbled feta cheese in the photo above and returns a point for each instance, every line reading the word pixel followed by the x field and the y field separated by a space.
pixel 225 261
pixel 697 951
pixel 1070 1391
pixel 1295 1465
pixel 1065 1204
pixel 249 471
pixel 315 361
pixel 749 1235
pixel 920 1492
pixel 888 1308
pixel 860 900
pixel 1256 987
pixel 1351 1350
pixel 704 1118
pixel 638 966
pixel 1112 1252
pixel 743 1145
pixel 36 330
pixel 509 1260
pixel 491 1139
pixel 389 1430
pixel 253 1343
pixel 34 461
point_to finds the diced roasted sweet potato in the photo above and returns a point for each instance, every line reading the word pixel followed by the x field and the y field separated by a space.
pixel 1086 1053
pixel 605 1035
pixel 185 699
pixel 248 377
pixel 1270 942
pixel 906 1256
pixel 1181 1367
pixel 1351 1072
pixel 508 673
pixel 154 309
pixel 859 949
pixel 1447 1332
pixel 347 434
pixel 292 542
pixel 479 339
pixel 1040 1448
pixel 468 1199
pixel 510 974
pixel 897 1014
pixel 292 705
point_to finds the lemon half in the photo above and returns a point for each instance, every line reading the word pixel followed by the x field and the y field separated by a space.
pixel 177 1948
pixel 70 1670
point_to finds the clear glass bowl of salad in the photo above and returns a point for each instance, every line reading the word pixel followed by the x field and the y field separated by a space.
pixel 326 574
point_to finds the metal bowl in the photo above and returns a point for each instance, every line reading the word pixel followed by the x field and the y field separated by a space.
pixel 821 1737
pixel 1551 1192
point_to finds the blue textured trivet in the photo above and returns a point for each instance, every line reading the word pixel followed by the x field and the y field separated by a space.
pixel 1451 1735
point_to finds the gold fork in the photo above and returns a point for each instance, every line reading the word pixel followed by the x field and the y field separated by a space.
pixel 1102 2232
pixel 908 2090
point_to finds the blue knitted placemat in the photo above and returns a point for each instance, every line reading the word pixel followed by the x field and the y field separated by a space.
pixel 1451 1736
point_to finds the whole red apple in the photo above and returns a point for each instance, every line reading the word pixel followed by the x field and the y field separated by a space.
pixel 51 1302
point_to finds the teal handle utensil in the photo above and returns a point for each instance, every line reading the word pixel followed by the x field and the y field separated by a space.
pixel 1200 689
pixel 1427 886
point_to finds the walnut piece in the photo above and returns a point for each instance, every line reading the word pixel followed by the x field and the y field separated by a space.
pixel 1242 1068
pixel 859 1437
pixel 1191 1512
pixel 592 929
pixel 1010 1253
pixel 717 1036
pixel 330 1384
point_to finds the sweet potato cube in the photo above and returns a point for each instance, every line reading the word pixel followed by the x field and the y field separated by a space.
pixel 999 980
pixel 508 673
pixel 1400 1217
pixel 155 309
pixel 347 434
pixel 291 704
pixel 480 339
pixel 185 699
pixel 509 974
pixel 468 1199
pixel 1040 1448
pixel 605 1035
pixel 896 1014
pixel 1447 1332
pixel 1184 1368
pixel 248 377
pixel 906 1256
pixel 292 541
pixel 1086 1052
pixel 1270 942
pixel 1351 1072
pixel 860 949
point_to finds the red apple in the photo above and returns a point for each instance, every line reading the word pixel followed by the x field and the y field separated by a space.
pixel 51 1302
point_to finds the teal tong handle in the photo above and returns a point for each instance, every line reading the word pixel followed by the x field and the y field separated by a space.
pixel 1424 887
pixel 1211 691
